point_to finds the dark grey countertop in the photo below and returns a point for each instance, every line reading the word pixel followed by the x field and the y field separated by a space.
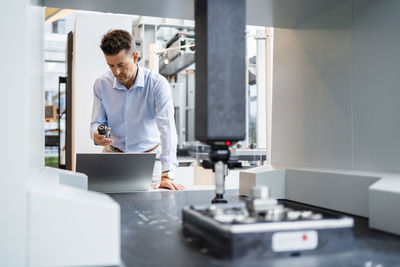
pixel 151 235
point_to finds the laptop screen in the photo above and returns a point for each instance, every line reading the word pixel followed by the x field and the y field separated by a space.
pixel 117 172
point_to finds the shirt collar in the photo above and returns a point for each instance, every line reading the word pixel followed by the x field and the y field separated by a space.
pixel 139 82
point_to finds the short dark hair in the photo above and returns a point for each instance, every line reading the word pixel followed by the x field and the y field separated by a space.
pixel 116 40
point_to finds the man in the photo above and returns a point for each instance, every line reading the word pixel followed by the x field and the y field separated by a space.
pixel 136 105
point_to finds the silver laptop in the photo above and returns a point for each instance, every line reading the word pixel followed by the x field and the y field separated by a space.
pixel 117 172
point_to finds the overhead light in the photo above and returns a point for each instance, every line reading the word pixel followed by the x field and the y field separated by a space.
pixel 166 61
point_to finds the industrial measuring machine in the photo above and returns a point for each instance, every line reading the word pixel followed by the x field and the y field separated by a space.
pixel 258 225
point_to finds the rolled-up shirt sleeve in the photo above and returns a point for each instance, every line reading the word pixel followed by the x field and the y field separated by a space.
pixel 99 115
pixel 164 109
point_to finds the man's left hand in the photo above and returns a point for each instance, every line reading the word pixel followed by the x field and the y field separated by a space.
pixel 168 183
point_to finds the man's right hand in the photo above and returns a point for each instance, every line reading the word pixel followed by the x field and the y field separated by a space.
pixel 101 140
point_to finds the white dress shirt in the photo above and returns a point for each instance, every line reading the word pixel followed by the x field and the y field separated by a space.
pixel 140 117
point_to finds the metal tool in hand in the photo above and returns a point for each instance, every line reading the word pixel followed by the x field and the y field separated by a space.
pixel 103 130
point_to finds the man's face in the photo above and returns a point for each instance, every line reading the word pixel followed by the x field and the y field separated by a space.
pixel 123 66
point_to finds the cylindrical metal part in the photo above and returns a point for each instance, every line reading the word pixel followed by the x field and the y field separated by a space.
pixel 219 169
pixel 103 130
pixel 219 155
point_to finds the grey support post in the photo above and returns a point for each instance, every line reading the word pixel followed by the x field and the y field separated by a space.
pixel 220 77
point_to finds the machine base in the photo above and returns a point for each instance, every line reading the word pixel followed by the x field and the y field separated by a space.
pixel 254 237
